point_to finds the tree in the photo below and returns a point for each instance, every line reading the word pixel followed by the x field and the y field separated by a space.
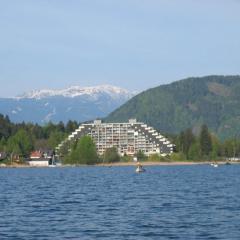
pixel 205 141
pixel 126 158
pixel 189 140
pixel 83 152
pixel 154 157
pixel 215 148
pixel 111 155
pixel 71 126
pixel 55 138
pixel 229 148
pixel 180 143
pixel 178 156
pixel 36 131
pixel 20 143
pixel 60 127
pixel 3 145
pixel 41 144
pixel 48 128
pixel 185 141
pixel 141 156
pixel 194 152
pixel 5 127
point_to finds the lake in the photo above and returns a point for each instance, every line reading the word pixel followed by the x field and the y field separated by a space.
pixel 165 202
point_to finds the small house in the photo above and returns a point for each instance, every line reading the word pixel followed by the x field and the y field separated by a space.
pixel 41 158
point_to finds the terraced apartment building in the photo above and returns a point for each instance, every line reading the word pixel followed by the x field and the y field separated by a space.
pixel 128 138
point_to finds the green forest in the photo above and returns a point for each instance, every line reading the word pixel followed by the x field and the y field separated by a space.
pixel 191 102
pixel 204 147
pixel 21 139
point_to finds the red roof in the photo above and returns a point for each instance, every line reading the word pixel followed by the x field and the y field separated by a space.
pixel 36 154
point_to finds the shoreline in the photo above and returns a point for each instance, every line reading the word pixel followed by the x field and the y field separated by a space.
pixel 183 163
pixel 122 164
pixel 177 163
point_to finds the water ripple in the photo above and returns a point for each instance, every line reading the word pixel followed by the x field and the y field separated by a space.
pixel 190 202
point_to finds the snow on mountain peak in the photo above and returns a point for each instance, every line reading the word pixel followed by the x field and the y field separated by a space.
pixel 75 91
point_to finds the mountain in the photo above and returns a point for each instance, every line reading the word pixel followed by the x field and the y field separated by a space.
pixel 213 100
pixel 73 103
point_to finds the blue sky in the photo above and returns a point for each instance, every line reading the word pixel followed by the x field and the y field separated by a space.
pixel 135 44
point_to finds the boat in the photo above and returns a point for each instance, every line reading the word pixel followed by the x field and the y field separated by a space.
pixel 214 164
pixel 52 165
pixel 140 168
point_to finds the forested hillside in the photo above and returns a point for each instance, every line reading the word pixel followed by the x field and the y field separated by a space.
pixel 171 108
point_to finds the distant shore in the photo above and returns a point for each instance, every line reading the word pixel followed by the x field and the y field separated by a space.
pixel 119 164
pixel 177 163
pixel 150 163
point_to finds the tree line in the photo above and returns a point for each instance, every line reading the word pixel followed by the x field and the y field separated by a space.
pixel 204 146
pixel 22 138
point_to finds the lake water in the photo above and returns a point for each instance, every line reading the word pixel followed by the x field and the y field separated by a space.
pixel 166 202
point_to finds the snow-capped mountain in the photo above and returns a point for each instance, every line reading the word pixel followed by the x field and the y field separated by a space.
pixel 73 103
pixel 75 91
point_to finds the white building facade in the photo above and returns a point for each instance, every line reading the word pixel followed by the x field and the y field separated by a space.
pixel 128 138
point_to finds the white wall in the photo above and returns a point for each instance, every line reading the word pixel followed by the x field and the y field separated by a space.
pixel 39 163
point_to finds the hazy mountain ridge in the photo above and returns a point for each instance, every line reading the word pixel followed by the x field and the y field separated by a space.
pixel 75 91
pixel 213 100
pixel 73 103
